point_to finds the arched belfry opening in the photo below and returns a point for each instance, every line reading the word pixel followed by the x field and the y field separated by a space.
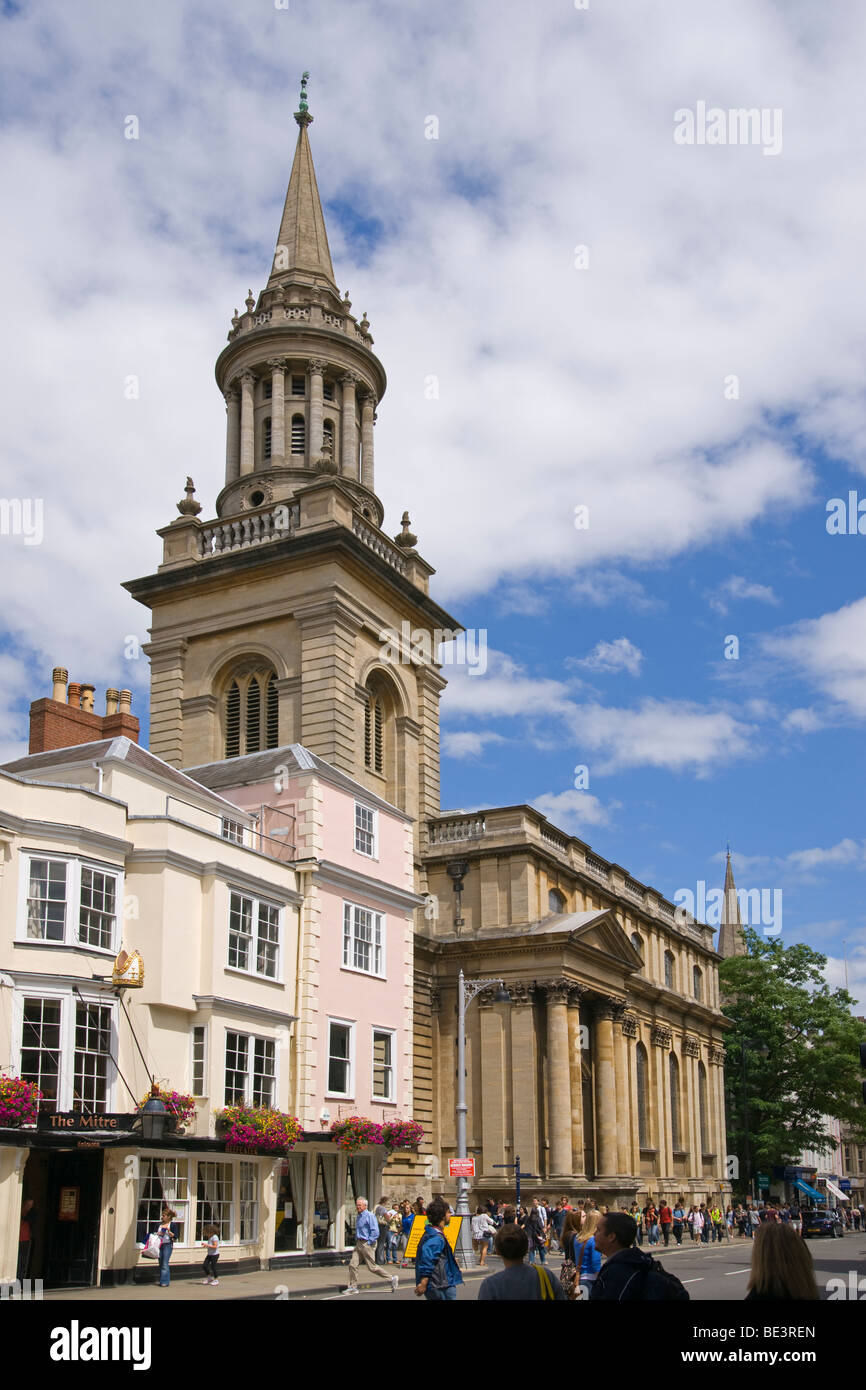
pixel 249 708
pixel 383 737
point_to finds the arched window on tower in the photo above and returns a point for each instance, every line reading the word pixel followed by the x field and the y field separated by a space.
pixel 299 434
pixel 251 711
pixel 637 942
pixel 702 1105
pixel 674 1066
pixel 697 982
pixel 669 970
pixel 556 901
pixel 374 733
pixel 642 1074
pixel 266 440
pixel 328 436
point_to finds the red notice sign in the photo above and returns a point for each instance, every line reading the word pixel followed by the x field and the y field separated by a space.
pixel 461 1167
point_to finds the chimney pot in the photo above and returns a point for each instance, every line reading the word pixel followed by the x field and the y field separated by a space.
pixel 111 699
pixel 87 693
pixel 125 701
pixel 75 694
pixel 59 677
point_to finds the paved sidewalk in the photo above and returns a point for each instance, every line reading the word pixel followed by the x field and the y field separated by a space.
pixel 277 1284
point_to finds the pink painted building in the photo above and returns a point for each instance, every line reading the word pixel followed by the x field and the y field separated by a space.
pixel 351 1049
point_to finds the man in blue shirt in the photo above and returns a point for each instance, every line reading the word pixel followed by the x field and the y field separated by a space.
pixel 366 1236
pixel 436 1281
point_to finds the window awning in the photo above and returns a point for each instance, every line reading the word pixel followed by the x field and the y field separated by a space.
pixel 809 1191
pixel 837 1191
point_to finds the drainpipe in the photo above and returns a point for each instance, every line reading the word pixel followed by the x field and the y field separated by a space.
pixel 99 775
pixel 305 869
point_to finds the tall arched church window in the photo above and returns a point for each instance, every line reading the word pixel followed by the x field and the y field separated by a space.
pixel 669 970
pixel 702 1104
pixel 251 711
pixel 641 1069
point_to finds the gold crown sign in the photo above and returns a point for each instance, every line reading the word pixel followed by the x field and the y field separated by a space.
pixel 128 970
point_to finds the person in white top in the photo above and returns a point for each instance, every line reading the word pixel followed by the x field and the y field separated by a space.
pixel 212 1242
pixel 483 1229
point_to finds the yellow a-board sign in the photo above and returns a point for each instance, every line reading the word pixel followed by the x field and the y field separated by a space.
pixel 419 1225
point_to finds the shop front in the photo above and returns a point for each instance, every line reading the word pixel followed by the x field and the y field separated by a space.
pixel 317 1187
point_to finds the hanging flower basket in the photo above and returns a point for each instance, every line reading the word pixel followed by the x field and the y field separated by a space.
pixel 354 1133
pixel 251 1127
pixel 181 1108
pixel 401 1134
pixel 19 1101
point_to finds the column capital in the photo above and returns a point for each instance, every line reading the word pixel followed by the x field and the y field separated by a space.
pixel 232 392
pixel 317 365
pixel 717 1055
pixel 435 997
pixel 557 990
pixel 610 1009
pixel 629 1025
pixel 691 1046
pixel 368 397
pixel 348 379
pixel 521 991
pixel 248 378
pixel 661 1035
pixel 277 364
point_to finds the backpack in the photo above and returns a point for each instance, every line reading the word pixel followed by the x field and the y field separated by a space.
pixel 661 1286
pixel 438 1280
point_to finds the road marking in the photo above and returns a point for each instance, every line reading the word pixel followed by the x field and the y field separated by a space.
pixel 737 1271
pixel 692 1281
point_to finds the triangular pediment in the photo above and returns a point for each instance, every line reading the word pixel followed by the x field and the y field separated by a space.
pixel 604 933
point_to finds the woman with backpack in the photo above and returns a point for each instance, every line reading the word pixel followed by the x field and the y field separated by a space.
pixel 679 1220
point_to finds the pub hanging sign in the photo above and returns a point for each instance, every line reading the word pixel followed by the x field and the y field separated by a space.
pixel 78 1122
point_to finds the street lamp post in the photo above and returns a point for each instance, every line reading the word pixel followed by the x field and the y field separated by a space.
pixel 466 992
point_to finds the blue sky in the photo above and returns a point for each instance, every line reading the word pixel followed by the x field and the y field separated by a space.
pixel 557 385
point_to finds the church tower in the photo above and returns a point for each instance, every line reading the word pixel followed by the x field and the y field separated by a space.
pixel 731 940
pixel 274 622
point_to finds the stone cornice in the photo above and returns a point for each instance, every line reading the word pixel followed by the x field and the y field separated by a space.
pixel 72 835
pixel 215 869
pixel 350 880
pixel 215 1004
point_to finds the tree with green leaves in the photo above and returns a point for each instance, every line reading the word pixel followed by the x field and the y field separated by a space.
pixel 798 1041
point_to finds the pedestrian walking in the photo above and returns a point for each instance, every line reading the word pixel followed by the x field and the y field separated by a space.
pixel 25 1237
pixel 754 1221
pixel 211 1242
pixel 586 1256
pixel 781 1265
pixel 381 1214
pixel 482 1230
pixel 679 1220
pixel 706 1224
pixel 167 1233
pixel 436 1273
pixel 666 1221
pixel 366 1240
pixel 696 1224
pixel 394 1231
pixel 407 1217
pixel 518 1282
pixel 629 1274
pixel 534 1227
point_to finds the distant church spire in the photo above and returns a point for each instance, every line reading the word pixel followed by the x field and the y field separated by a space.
pixel 302 244
pixel 731 941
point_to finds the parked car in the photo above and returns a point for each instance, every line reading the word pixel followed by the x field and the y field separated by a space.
pixel 822 1223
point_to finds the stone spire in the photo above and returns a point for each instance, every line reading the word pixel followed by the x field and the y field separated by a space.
pixel 302 246
pixel 731 942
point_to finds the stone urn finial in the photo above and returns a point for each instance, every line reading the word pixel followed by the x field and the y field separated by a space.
pixel 347 303
pixel 364 325
pixel 250 302
pixel 235 319
pixel 406 538
pixel 188 506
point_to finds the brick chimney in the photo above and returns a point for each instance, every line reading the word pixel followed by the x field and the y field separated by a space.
pixel 68 717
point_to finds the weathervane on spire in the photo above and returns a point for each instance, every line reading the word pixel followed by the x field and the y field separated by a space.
pixel 302 115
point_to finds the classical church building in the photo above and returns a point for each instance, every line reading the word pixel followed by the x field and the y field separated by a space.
pixel 270 623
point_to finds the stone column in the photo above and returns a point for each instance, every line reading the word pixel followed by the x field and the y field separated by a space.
pixel 524 1076
pixel 248 382
pixel 233 433
pixel 494 1072
pixel 716 1106
pixel 623 1096
pixel 368 408
pixel 316 369
pixel 278 409
pixel 575 1054
pixel 631 1029
pixel 559 1078
pixel 349 453
pixel 662 1042
pixel 605 1090
pixel 689 1054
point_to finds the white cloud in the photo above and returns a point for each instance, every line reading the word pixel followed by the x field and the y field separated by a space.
pixel 618 655
pixel 466 744
pixel 601 588
pixel 846 852
pixel 830 652
pixel 735 588
pixel 803 721
pixel 573 811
